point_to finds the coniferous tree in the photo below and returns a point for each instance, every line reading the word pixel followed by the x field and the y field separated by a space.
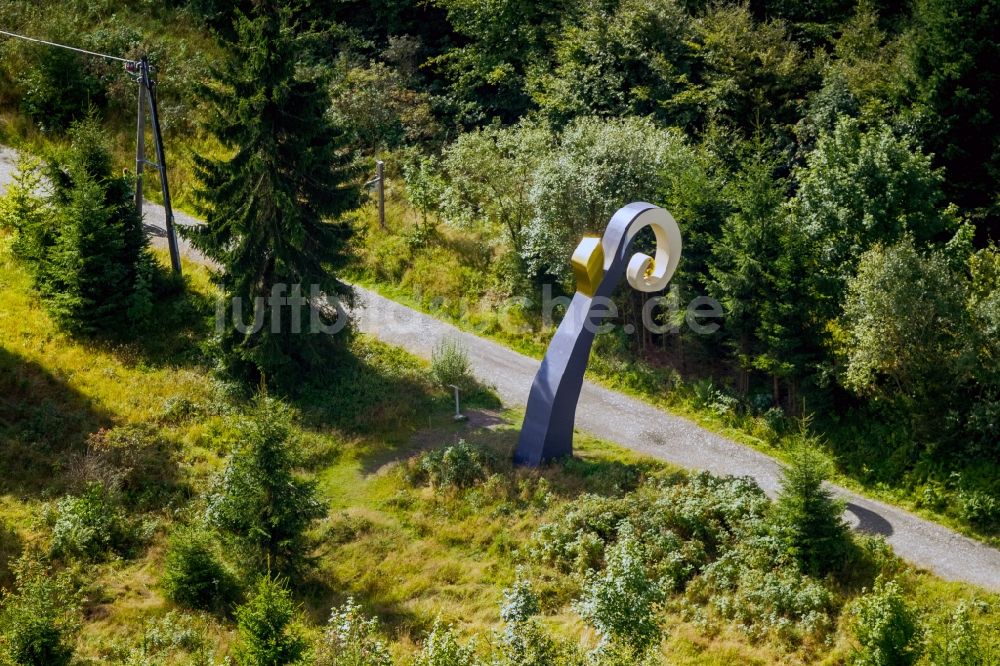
pixel 258 502
pixel 272 205
pixel 807 517
pixel 268 632
pixel 92 265
pixel 38 619
pixel 952 68
pixel 759 254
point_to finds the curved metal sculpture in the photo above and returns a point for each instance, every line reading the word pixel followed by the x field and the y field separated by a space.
pixel 598 264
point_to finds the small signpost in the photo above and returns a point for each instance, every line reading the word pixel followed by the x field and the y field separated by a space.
pixel 459 416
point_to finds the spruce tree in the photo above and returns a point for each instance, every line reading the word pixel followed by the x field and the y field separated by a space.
pixel 259 503
pixel 807 517
pixel 758 255
pixel 273 204
pixel 269 635
pixel 92 266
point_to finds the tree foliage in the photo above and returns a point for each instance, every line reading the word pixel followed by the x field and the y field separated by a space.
pixel 194 575
pixel 259 502
pixel 596 167
pixel 886 627
pixel 38 619
pixel 621 601
pixel 268 631
pixel 906 324
pixel 860 187
pixel 807 518
pixel 85 243
pixel 273 204
pixel 759 253
pixel 352 638
pixel 950 56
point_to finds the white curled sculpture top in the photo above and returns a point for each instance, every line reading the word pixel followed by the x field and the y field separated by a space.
pixel 647 273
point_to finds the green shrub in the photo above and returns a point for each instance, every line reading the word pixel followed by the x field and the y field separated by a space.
pixel 450 365
pixel 38 621
pixel 21 207
pixel 10 547
pixel 136 461
pixel 441 648
pixel 953 640
pixel 92 526
pixel 621 602
pixel 161 641
pixel 980 508
pixel 459 466
pixel 577 540
pixel 703 535
pixel 886 628
pixel 520 603
pixel 527 644
pixel 259 502
pixel 193 574
pixel 27 213
pixel 755 586
pixel 269 635
pixel 352 639
pixel 681 522
pixel 523 642
pixel 58 88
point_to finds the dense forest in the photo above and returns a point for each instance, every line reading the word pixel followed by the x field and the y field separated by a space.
pixel 834 167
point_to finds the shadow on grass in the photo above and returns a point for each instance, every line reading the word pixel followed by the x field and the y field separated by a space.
pixel 444 431
pixel 10 549
pixel 568 478
pixel 181 321
pixel 43 421
pixel 377 390
pixel 322 592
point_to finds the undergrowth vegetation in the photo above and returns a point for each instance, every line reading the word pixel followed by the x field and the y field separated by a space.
pixel 261 497
pixel 427 546
pixel 762 128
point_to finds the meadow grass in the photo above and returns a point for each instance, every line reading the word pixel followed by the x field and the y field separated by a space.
pixel 409 553
pixel 448 279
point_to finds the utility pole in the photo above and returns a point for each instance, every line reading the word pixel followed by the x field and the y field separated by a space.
pixel 140 148
pixel 147 90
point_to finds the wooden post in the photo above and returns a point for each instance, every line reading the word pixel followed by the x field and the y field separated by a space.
pixel 380 184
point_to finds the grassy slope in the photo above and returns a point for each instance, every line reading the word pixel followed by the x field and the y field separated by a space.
pixel 406 553
pixel 423 285
pixel 443 271
pixel 388 544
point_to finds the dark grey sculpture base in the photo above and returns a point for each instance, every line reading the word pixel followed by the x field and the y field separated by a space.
pixel 547 431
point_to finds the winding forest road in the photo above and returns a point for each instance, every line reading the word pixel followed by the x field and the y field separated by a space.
pixel 640 426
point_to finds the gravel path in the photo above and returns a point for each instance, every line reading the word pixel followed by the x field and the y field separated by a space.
pixel 641 427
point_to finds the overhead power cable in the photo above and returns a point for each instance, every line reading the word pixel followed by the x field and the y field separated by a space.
pixel 147 90
pixel 63 46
